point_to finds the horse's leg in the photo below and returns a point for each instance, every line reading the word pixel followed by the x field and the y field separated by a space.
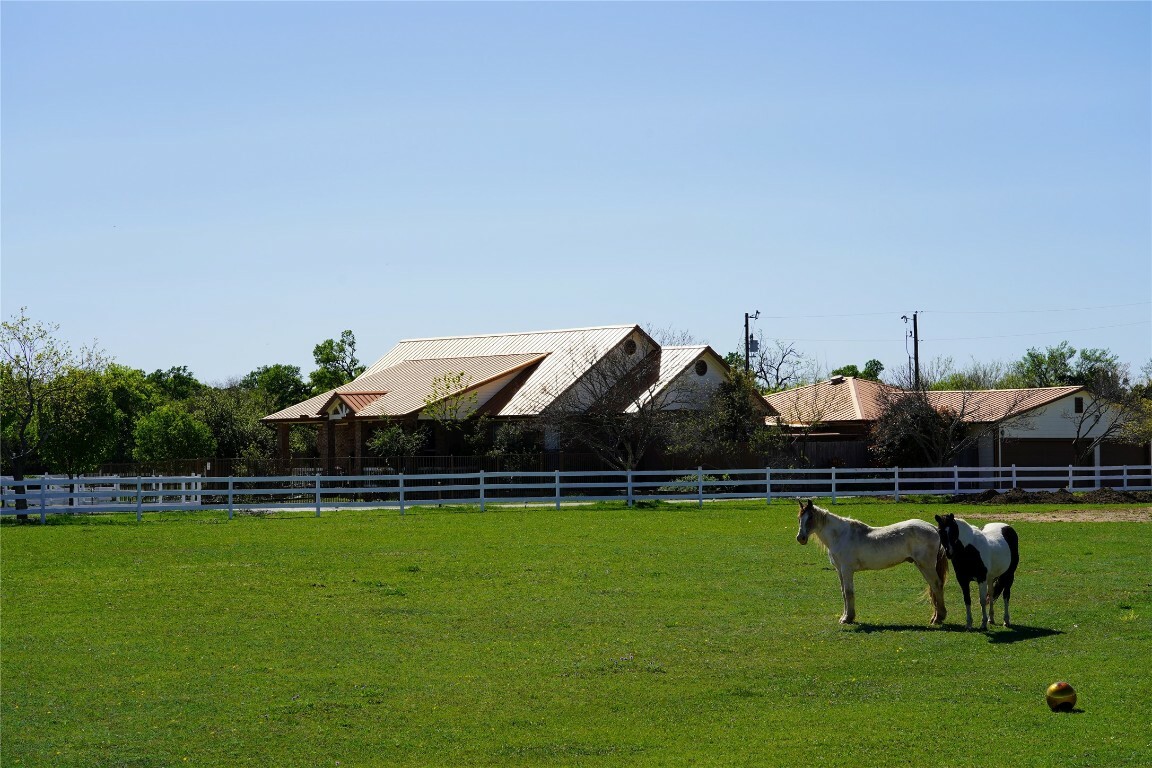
pixel 848 590
pixel 992 603
pixel 967 600
pixel 935 591
pixel 1007 595
pixel 983 606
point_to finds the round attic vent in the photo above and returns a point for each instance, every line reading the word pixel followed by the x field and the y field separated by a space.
pixel 701 367
pixel 630 347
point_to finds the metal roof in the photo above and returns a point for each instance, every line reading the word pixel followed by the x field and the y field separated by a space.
pixel 569 354
pixel 847 398
pixel 402 379
pixel 841 398
pixel 985 405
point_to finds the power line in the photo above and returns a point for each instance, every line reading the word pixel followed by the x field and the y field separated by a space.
pixel 1041 333
pixel 972 338
pixel 963 312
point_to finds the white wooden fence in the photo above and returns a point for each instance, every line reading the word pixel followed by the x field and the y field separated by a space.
pixel 56 495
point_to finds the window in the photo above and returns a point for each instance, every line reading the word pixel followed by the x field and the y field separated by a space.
pixel 1078 405
pixel 701 367
pixel 630 347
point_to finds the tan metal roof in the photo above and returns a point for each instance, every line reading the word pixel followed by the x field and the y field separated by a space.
pixel 569 354
pixel 550 362
pixel 674 361
pixel 841 398
pixel 984 405
pixel 847 398
pixel 408 384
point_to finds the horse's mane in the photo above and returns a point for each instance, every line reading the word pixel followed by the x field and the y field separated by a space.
pixel 852 522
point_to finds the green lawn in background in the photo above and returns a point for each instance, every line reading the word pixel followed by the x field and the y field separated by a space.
pixel 662 635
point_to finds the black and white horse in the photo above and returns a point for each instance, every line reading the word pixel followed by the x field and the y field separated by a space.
pixel 853 546
pixel 988 555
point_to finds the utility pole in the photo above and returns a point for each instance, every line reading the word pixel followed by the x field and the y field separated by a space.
pixel 747 343
pixel 915 334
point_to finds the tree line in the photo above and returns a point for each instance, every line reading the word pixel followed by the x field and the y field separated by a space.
pixel 71 411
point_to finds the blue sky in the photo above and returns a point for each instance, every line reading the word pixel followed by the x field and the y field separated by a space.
pixel 224 185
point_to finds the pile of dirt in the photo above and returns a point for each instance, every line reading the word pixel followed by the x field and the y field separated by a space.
pixel 1114 496
pixel 1059 496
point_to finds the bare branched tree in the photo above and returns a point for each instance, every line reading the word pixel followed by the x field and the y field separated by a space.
pixel 935 428
pixel 615 408
pixel 780 365
pixel 1110 410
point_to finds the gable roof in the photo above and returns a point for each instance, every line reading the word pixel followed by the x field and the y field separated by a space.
pixel 851 399
pixel 841 398
pixel 399 382
pixel 986 405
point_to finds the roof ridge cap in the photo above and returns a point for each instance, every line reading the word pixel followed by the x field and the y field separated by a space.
pixel 521 333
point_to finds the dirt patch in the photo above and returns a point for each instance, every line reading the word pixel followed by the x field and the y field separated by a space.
pixel 1134 515
pixel 1059 496
pixel 1136 503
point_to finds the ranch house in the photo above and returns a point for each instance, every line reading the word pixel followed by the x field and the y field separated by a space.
pixel 1042 427
pixel 508 377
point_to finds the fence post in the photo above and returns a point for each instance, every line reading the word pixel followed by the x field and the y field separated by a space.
pixel 43 499
pixel 1124 475
pixel 896 484
pixel 481 490
pixel 557 489
pixel 1071 480
pixel 700 486
pixel 317 495
pixel 833 485
pixel 768 485
pixel 230 497
pixel 629 487
pixel 139 497
pixel 956 479
pixel 401 476
pixel 1013 475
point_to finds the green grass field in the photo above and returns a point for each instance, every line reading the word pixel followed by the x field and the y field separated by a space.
pixel 668 635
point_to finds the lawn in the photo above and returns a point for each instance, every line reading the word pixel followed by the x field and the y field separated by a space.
pixel 667 635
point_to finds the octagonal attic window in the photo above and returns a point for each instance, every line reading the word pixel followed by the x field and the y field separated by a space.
pixel 701 367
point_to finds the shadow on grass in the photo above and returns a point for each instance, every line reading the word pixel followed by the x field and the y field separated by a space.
pixel 1019 632
pixel 999 635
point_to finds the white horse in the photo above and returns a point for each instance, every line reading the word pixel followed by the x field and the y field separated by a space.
pixel 983 555
pixel 853 546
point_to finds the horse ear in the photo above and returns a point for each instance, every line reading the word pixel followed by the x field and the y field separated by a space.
pixel 939 520
pixel 808 505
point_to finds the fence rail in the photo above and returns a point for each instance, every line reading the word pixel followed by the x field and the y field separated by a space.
pixel 104 494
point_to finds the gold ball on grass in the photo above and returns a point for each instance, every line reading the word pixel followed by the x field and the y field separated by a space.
pixel 1061 697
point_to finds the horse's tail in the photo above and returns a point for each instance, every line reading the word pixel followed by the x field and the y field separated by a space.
pixel 942 565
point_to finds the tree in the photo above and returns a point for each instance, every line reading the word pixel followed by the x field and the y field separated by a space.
pixel 283 384
pixel 176 384
pixel 914 429
pixel 976 376
pixel 1113 410
pixel 393 440
pixel 134 396
pixel 170 432
pixel 731 421
pixel 872 370
pixel 82 433
pixel 34 389
pixel 776 366
pixel 232 415
pixel 614 408
pixel 337 363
